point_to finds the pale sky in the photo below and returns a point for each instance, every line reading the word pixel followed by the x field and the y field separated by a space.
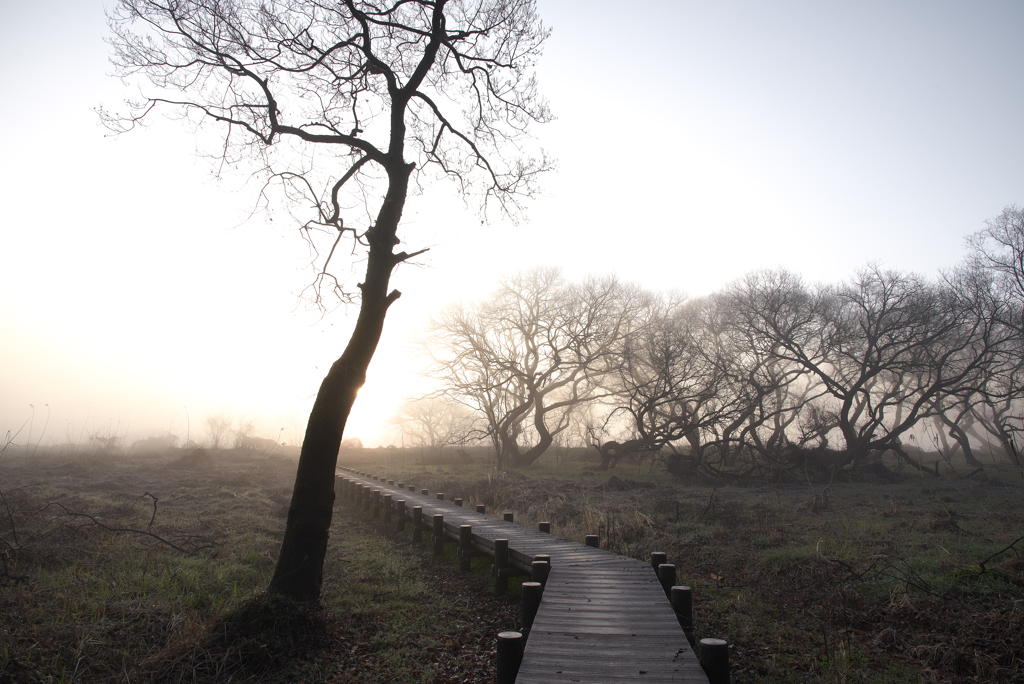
pixel 696 141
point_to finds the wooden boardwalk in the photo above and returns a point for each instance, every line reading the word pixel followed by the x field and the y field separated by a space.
pixel 602 617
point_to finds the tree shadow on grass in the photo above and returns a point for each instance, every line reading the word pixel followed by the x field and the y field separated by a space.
pixel 269 638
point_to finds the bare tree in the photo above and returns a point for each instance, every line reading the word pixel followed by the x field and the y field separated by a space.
pixel 527 356
pixel 989 403
pixel 218 427
pixel 433 422
pixel 345 104
pixel 700 389
pixel 772 394
pixel 670 381
pixel 244 432
pixel 886 346
pixel 999 248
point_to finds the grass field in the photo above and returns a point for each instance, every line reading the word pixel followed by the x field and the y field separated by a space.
pixel 920 580
pixel 121 568
pixel 178 598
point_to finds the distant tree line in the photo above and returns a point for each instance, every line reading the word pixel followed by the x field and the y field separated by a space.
pixel 770 373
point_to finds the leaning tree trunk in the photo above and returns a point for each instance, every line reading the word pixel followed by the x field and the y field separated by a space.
pixel 300 565
pixel 957 433
pixel 530 456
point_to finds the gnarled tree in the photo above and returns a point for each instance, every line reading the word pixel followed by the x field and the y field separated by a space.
pixel 532 353
pixel 345 104
pixel 888 348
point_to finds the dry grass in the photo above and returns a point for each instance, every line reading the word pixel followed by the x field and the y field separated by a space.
pixel 916 581
pixel 178 598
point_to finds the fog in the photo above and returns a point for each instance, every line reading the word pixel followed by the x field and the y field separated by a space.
pixel 696 142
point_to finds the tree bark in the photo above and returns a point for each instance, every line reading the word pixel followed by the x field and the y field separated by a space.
pixel 299 571
pixel 530 456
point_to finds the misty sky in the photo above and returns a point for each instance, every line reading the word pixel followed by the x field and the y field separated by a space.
pixel 696 141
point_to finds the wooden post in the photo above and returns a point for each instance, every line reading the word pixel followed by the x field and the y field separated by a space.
pixel 401 485
pixel 337 486
pixel 714 658
pixel 544 527
pixel 667 577
pixel 657 558
pixel 440 496
pixel 387 508
pixel 593 540
pixel 367 498
pixel 500 564
pixel 682 604
pixel 539 571
pixel 375 505
pixel 400 515
pixel 412 488
pixel 481 508
pixel 465 548
pixel 507 517
pixel 417 523
pixel 458 502
pixel 543 557
pixel 391 483
pixel 532 592
pixel 510 656
pixel 438 537
pixel 424 492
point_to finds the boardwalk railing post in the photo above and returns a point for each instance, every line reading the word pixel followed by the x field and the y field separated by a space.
pixel 539 572
pixel 481 508
pixel 508 517
pixel 667 577
pixel 391 483
pixel 500 564
pixel 417 523
pixel 375 505
pixel 424 492
pixel 682 604
pixel 657 558
pixel 458 502
pixel 440 496
pixel 714 658
pixel 438 537
pixel 532 592
pixel 544 527
pixel 593 540
pixel 400 516
pixel 465 548
pixel 510 656
pixel 543 557
pixel 367 498
pixel 387 508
